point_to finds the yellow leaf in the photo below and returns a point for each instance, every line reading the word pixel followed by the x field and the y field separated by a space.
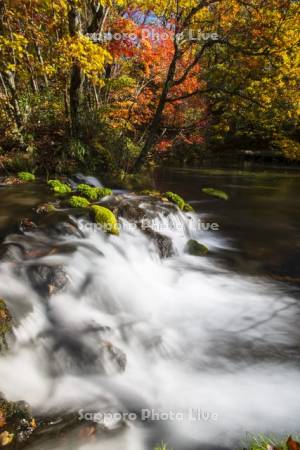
pixel 6 438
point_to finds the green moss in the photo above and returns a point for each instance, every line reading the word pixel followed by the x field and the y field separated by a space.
pixel 175 198
pixel 216 193
pixel 88 191
pixel 26 176
pixel 150 193
pixel 50 208
pixel 194 248
pixel 103 192
pixel 5 324
pixel 106 219
pixel 78 202
pixel 58 187
pixel 45 208
pixel 93 193
pixel 188 208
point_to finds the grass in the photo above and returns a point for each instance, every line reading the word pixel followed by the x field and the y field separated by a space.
pixel 262 442
pixel 162 446
pixel 259 442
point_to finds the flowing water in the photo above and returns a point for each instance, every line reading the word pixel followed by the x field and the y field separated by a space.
pixel 211 344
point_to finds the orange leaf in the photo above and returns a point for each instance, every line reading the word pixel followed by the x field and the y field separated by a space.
pixel 2 419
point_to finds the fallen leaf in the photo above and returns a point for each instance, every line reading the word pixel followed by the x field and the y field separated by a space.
pixel 6 438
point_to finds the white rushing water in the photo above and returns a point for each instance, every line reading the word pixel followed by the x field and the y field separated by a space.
pixel 197 338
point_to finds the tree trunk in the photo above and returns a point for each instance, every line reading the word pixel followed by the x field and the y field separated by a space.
pixel 75 88
pixel 154 125
pixel 14 101
pixel 41 60
pixel 76 72
pixel 8 79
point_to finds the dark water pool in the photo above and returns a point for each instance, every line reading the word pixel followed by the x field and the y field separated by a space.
pixel 260 221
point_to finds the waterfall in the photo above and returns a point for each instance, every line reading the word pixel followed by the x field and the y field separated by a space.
pixel 133 332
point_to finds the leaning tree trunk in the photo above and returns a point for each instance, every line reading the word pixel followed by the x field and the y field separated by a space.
pixel 156 121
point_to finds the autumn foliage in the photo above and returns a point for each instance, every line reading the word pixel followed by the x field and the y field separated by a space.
pixel 139 93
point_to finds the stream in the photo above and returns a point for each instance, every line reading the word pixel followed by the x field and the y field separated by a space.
pixel 196 352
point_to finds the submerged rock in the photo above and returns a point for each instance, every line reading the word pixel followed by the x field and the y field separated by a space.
pixel 194 248
pixel 47 280
pixel 162 242
pixel 113 359
pixel 215 193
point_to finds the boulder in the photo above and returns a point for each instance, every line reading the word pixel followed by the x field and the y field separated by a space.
pixel 47 280
pixel 194 248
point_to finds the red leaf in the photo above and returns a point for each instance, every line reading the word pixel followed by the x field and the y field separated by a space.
pixel 292 445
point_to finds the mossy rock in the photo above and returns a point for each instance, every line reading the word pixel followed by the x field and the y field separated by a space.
pixel 175 198
pixel 92 193
pixel 14 410
pixel 26 176
pixel 188 208
pixel 79 202
pixel 194 248
pixel 16 422
pixel 45 208
pixel 216 193
pixel 103 192
pixel 5 325
pixel 59 188
pixel 106 219
pixel 150 193
pixel 87 191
